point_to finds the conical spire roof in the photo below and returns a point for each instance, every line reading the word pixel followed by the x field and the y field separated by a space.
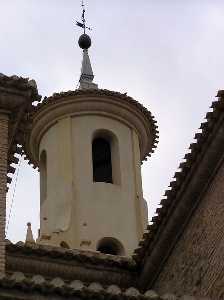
pixel 86 71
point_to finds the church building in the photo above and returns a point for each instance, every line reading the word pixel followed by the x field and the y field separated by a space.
pixel 94 240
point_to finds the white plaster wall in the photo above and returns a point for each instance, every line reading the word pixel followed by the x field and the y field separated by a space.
pixel 78 210
pixel 57 144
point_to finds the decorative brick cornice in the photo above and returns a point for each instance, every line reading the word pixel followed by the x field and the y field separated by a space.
pixel 18 282
pixel 18 86
pixel 17 96
pixel 88 257
pixel 89 266
pixel 178 204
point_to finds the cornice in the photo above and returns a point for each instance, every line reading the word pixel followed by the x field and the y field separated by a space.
pixel 183 195
pixel 91 257
pixel 18 86
pixel 101 102
pixel 24 286
pixel 70 264
pixel 17 95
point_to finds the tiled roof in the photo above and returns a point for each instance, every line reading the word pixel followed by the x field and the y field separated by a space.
pixel 82 256
pixel 20 88
pixel 181 178
pixel 21 84
pixel 102 92
pixel 38 284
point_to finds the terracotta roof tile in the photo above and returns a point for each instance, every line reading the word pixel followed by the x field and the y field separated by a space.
pixel 39 284
pixel 180 177
pixel 20 83
pixel 102 92
pixel 72 254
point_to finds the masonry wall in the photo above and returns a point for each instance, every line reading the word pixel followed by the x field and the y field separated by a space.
pixel 3 184
pixel 196 265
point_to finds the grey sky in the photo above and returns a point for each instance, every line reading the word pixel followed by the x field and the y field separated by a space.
pixel 167 54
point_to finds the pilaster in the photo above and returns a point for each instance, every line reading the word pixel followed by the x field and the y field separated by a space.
pixel 4 120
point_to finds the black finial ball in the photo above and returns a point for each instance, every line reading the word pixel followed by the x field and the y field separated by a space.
pixel 84 41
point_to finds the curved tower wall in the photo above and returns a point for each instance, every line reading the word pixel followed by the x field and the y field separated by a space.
pixel 75 209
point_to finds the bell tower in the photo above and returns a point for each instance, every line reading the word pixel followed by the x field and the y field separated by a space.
pixel 89 145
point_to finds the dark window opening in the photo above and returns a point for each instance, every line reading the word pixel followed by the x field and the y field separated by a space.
pixel 110 246
pixel 108 249
pixel 102 166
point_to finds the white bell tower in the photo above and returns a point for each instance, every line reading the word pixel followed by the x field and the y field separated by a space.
pixel 89 145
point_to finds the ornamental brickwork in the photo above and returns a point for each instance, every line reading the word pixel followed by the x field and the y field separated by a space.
pixel 3 184
pixel 196 264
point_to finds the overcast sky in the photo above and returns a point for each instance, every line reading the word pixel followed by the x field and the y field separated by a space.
pixel 167 54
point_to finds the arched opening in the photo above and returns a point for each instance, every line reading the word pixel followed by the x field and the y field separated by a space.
pixel 101 156
pixel 43 176
pixel 111 246
pixel 64 245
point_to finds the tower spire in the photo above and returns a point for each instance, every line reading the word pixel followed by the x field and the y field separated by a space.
pixel 86 77
pixel 29 234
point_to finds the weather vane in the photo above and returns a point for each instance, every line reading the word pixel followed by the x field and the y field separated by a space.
pixel 83 23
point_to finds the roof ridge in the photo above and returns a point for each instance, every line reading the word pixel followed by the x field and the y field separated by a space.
pixel 179 178
pixel 93 257
pixel 20 83
pixel 18 280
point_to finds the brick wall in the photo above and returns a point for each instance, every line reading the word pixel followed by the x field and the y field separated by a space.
pixel 196 264
pixel 3 184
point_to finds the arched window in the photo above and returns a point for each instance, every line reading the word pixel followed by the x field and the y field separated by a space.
pixel 43 176
pixel 109 245
pixel 101 156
